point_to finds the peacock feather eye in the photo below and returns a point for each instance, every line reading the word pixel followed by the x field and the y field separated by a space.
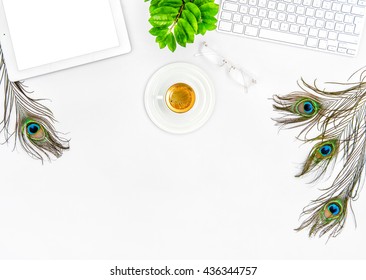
pixel 333 209
pixel 326 149
pixel 307 108
pixel 35 131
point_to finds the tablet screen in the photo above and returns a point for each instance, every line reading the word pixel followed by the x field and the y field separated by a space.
pixel 47 31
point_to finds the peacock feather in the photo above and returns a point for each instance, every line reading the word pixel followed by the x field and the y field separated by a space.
pixel 334 122
pixel 33 121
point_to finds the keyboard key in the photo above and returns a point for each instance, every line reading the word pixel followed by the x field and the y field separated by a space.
pixel 323 45
pixel 327 5
pixel 313 32
pixel 349 18
pixel 281 7
pixel 336 6
pixel 319 13
pixel 346 8
pixel 310 21
pixel 323 34
pixel 272 14
pixel 246 19
pixel 358 10
pixel 294 28
pixel 231 7
pixel 256 21
pixel 291 8
pixel 320 23
pixel 291 18
pixel 329 15
pixel 262 13
pixel 342 50
pixel 284 26
pixel 275 25
pixel 225 26
pixel 265 23
pixel 332 35
pixel 251 31
pixel 304 30
pixel 347 38
pixel 301 20
pixel 312 42
pixel 282 37
pixel 226 15
pixel 310 12
pixel 271 5
pixel 244 9
pixel 329 25
pixel 349 28
pixel 237 18
pixel 253 11
pixel 339 17
pixel 281 16
pixel 262 3
pixel 317 3
pixel 339 27
pixel 238 28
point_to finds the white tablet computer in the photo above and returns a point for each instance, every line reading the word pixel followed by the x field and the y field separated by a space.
pixel 42 36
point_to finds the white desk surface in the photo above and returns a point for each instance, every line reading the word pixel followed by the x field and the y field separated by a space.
pixel 127 190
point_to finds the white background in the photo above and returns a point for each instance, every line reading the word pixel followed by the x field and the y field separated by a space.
pixel 127 190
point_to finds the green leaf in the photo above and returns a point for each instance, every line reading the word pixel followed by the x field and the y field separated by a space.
pixel 161 21
pixel 191 19
pixel 199 3
pixel 187 29
pixel 209 9
pixel 158 31
pixel 194 10
pixel 170 40
pixel 210 20
pixel 201 29
pixel 170 3
pixel 180 35
pixel 165 11
pixel 209 26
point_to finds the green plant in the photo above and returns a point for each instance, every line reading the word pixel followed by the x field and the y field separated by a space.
pixel 178 21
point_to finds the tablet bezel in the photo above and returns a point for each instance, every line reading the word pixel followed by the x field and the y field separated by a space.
pixel 15 74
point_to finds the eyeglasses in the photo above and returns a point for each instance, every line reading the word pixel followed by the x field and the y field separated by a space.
pixel 238 74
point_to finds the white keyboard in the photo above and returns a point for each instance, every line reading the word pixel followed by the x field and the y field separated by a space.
pixel 331 26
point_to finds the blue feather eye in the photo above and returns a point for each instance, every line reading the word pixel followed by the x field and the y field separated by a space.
pixel 306 107
pixel 35 131
pixel 333 209
pixel 33 128
pixel 325 150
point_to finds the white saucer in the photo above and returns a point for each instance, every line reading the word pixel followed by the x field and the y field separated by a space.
pixel 157 87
